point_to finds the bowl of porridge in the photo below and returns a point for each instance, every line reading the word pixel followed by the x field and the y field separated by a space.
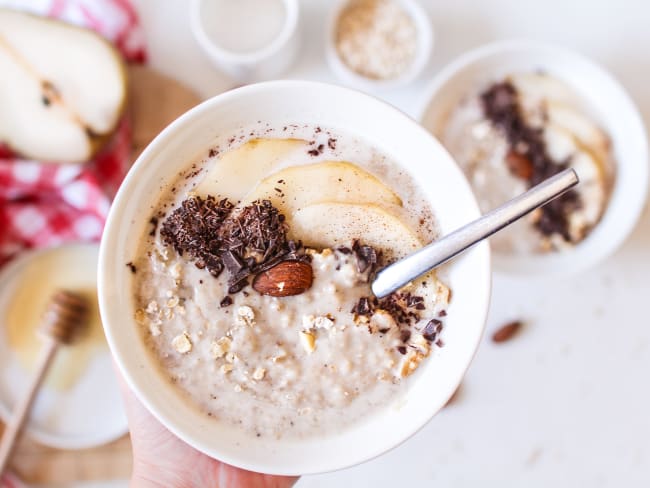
pixel 235 270
pixel 514 113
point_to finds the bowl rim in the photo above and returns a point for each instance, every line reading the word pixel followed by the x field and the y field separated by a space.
pixel 105 270
pixel 543 266
pixel 222 54
pixel 426 41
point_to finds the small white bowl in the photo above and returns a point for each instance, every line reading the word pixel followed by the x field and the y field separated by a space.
pixel 608 103
pixel 349 76
pixel 265 63
pixel 281 103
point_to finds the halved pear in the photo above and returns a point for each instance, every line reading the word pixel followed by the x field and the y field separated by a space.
pixel 62 88
pixel 333 224
pixel 296 187
pixel 238 170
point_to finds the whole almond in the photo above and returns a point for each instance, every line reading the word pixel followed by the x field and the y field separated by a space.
pixel 519 165
pixel 284 279
pixel 507 331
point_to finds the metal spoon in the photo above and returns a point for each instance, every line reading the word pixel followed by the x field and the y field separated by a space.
pixel 400 273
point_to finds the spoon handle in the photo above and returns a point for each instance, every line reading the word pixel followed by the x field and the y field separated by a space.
pixel 405 270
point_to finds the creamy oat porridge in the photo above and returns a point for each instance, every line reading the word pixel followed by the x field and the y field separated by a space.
pixel 252 284
pixel 513 133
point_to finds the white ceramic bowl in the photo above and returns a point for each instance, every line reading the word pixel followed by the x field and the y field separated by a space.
pixel 608 103
pixel 265 63
pixel 354 79
pixel 281 103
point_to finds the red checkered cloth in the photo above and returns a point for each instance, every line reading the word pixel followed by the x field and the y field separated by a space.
pixel 46 204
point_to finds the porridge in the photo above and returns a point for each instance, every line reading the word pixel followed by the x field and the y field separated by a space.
pixel 252 286
pixel 514 133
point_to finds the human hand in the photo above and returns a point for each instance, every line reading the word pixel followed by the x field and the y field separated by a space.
pixel 160 459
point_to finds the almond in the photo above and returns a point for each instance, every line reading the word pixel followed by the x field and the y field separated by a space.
pixel 519 165
pixel 507 331
pixel 284 279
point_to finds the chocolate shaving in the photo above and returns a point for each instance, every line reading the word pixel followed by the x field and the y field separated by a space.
pixel 405 335
pixel 402 307
pixel 246 244
pixel 154 223
pixel 528 158
pixel 362 307
pixel 226 302
pixel 194 227
pixel 132 267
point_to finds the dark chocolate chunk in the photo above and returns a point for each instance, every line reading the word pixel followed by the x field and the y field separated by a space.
pixel 226 302
pixel 367 257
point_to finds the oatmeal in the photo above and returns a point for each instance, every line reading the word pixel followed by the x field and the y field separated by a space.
pixel 253 290
pixel 516 132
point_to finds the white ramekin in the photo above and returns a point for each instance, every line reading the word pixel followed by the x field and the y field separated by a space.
pixel 612 108
pixel 354 79
pixel 281 103
pixel 266 63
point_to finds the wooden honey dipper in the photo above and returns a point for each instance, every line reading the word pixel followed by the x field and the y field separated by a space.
pixel 66 315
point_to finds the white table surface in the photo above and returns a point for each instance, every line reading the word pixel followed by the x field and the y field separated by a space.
pixel 566 403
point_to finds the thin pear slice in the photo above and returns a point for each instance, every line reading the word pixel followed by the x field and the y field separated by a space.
pixel 296 187
pixel 61 76
pixel 240 169
pixel 540 86
pixel 562 146
pixel 333 224
pixel 581 126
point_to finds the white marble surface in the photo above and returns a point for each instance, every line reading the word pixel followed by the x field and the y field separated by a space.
pixel 567 403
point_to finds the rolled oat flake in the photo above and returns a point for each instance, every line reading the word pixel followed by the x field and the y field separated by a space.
pixel 376 38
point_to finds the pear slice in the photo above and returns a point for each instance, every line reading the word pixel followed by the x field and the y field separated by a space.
pixel 581 126
pixel 62 88
pixel 562 145
pixel 333 224
pixel 295 187
pixel 540 86
pixel 240 169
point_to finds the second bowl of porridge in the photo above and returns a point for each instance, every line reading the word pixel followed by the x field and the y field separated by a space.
pixel 516 112
pixel 235 278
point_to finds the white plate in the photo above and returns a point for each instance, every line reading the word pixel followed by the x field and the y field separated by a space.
pixel 87 414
